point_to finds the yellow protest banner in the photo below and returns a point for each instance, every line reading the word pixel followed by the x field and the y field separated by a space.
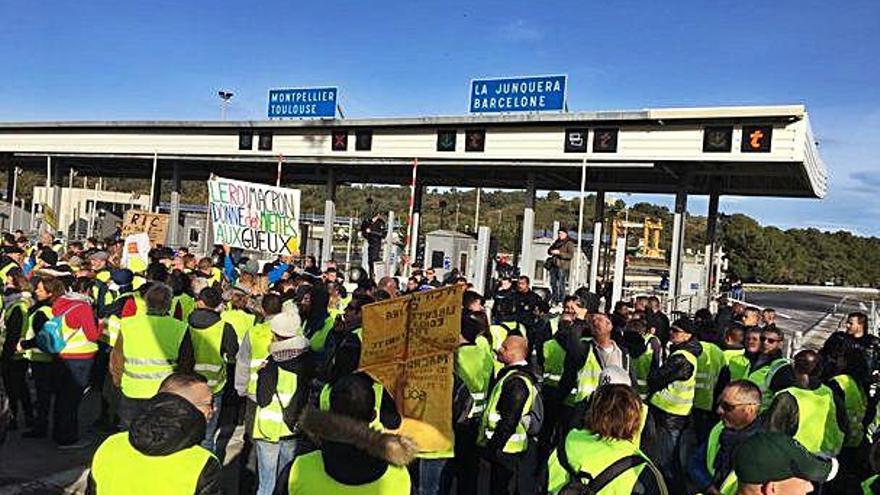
pixel 409 345
pixel 154 224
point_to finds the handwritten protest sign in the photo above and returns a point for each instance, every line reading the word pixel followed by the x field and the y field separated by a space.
pixel 154 224
pixel 254 216
pixel 408 345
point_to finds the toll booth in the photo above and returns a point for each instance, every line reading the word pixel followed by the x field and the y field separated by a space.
pixel 448 249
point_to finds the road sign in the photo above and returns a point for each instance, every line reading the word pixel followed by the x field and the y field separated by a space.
pixel 518 94
pixel 302 102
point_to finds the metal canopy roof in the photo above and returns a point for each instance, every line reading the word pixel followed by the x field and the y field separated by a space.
pixel 657 150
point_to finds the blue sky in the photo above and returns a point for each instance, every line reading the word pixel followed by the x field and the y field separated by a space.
pixel 166 60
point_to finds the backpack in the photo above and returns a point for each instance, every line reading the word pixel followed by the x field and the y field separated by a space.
pixel 580 483
pixel 50 339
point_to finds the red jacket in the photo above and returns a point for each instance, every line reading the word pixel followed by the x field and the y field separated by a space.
pixel 81 316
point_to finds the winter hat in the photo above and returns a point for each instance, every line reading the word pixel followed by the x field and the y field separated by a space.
pixel 48 256
pixel 287 349
pixel 285 324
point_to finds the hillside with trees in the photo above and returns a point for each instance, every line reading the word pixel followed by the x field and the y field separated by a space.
pixel 755 252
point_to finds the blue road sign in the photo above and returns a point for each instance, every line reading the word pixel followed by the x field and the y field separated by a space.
pixel 518 94
pixel 302 102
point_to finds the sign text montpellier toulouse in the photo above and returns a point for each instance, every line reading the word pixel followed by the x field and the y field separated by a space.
pixel 255 217
pixel 518 94
pixel 302 102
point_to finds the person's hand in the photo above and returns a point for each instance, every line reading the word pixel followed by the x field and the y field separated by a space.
pixel 554 251
pixel 226 248
pixel 18 348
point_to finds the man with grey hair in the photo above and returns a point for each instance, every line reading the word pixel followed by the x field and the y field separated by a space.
pixel 146 352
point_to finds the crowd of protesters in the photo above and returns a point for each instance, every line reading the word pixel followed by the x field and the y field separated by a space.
pixel 551 394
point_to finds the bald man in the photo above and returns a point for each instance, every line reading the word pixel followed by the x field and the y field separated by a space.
pixel 161 452
pixel 508 425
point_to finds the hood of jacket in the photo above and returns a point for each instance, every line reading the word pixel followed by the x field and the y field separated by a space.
pixel 691 345
pixel 354 453
pixel 169 424
pixel 203 318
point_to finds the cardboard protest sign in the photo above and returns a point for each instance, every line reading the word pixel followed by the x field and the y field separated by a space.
pixel 255 217
pixel 409 346
pixel 154 224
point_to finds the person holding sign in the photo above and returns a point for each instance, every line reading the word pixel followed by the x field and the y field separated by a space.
pixel 511 419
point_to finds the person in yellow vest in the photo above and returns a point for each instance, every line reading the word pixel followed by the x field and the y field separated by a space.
pixel 846 373
pixel 317 319
pixel 72 366
pixel 353 459
pixel 771 372
pixel 809 411
pixel 17 301
pixel 772 463
pixel 709 366
pixel 208 345
pixel 572 327
pixel 253 353
pixel 604 457
pixel 645 352
pixel 146 352
pixel 343 344
pixel 12 258
pixel 671 391
pixel 711 468
pixel 474 366
pixel 282 393
pixel 510 421
pixel 160 454
pixel 183 303
pixel 41 365
pixel 99 262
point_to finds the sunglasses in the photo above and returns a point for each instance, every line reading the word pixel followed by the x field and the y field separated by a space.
pixel 772 341
pixel 728 407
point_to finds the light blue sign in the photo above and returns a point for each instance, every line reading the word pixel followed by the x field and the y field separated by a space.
pixel 302 102
pixel 518 94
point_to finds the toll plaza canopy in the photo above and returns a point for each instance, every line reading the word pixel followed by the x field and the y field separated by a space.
pixel 750 151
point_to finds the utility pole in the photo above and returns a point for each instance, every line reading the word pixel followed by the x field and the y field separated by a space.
pixel 225 96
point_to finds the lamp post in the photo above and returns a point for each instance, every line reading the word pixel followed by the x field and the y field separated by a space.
pixel 225 96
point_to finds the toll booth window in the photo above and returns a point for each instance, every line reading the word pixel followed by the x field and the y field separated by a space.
pixel 245 141
pixel 363 140
pixel 339 141
pixel 265 143
pixel 194 236
pixel 436 258
pixel 575 140
pixel 605 141
pixel 717 139
pixel 446 140
pixel 462 263
pixel 756 138
pixel 475 140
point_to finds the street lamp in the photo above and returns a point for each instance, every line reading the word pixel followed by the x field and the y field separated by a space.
pixel 225 96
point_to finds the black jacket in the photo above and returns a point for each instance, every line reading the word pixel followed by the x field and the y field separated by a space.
pixel 168 425
pixel 569 336
pixel 199 320
pixel 14 327
pixel 343 354
pixel 353 453
pixel 511 405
